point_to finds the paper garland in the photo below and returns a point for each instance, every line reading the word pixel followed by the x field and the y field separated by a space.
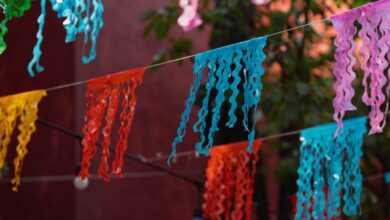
pixel 81 16
pixel 375 34
pixel 230 178
pixel 102 102
pixel 11 9
pixel 335 163
pixel 22 107
pixel 246 58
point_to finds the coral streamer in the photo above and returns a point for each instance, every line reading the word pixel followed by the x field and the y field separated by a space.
pixel 102 102
pixel 375 34
pixel 335 163
pixel 230 178
pixel 22 107
pixel 227 67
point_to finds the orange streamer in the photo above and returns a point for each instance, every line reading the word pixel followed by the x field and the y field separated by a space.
pixel 230 177
pixel 22 107
pixel 102 102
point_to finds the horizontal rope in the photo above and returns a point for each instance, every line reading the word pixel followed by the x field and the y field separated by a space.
pixel 186 57
pixel 129 175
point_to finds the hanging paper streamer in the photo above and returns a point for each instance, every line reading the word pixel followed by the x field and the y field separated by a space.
pixel 104 97
pixel 294 205
pixel 226 66
pixel 374 19
pixel 190 18
pixel 22 108
pixel 11 9
pixel 81 17
pixel 330 162
pixel 230 178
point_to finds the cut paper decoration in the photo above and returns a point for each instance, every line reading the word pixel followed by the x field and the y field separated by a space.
pixel 374 19
pixel 227 67
pixel 387 178
pixel 294 205
pixel 105 96
pixel 333 163
pixel 22 108
pixel 230 177
pixel 190 18
pixel 11 9
pixel 81 17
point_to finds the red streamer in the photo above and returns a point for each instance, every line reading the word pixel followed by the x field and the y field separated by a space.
pixel 102 99
pixel 230 177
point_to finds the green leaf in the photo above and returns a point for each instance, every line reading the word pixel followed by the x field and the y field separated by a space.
pixel 303 88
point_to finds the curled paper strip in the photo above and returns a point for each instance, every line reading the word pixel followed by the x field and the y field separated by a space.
pixel 81 16
pixel 190 18
pixel 230 177
pixel 335 163
pixel 104 96
pixel 23 108
pixel 227 67
pixel 374 19
pixel 11 9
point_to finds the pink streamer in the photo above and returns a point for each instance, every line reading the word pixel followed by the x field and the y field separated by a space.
pixel 344 25
pixel 375 34
pixel 190 18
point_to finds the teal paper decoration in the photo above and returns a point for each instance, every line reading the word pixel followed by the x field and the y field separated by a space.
pixel 224 66
pixel 81 16
pixel 330 169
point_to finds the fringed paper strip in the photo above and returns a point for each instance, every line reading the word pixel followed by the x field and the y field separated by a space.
pixel 103 98
pixel 325 216
pixel 332 163
pixel 226 67
pixel 374 19
pixel 81 16
pixel 190 18
pixel 11 9
pixel 230 178
pixel 23 108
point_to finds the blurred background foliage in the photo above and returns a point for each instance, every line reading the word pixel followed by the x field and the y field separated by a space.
pixel 297 85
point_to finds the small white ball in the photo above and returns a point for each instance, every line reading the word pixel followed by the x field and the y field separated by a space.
pixel 80 184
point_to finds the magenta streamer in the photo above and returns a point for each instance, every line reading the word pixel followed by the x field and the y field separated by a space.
pixel 375 34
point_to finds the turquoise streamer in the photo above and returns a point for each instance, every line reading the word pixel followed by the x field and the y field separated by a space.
pixel 331 163
pixel 78 19
pixel 198 67
pixel 224 66
pixel 37 53
pixel 97 25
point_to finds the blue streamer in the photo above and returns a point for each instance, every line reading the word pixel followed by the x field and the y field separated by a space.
pixel 224 66
pixel 37 48
pixel 78 19
pixel 387 178
pixel 97 24
pixel 197 77
pixel 331 163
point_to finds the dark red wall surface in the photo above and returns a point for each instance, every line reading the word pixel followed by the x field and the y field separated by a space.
pixel 161 101
pixel 50 152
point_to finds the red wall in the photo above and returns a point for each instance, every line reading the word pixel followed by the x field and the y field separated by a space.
pixel 50 153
